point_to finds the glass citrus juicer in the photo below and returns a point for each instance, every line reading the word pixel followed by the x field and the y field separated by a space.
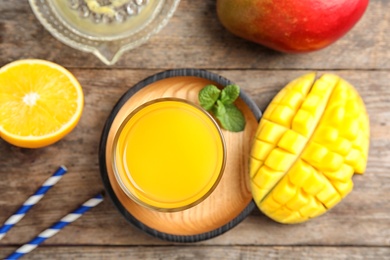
pixel 106 28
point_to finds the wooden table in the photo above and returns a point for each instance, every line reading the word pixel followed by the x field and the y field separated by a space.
pixel 359 227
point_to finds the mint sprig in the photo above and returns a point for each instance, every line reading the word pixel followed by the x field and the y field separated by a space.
pixel 221 104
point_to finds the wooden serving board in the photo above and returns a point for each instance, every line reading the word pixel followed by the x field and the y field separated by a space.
pixel 232 195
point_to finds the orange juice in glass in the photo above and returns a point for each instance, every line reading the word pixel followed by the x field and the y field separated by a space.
pixel 168 154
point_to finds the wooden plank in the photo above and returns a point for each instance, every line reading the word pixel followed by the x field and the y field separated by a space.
pixel 362 219
pixel 206 252
pixel 195 38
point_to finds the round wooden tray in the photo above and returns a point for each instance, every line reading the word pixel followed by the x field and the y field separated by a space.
pixel 228 204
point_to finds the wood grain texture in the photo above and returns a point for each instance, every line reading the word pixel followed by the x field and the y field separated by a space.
pixel 231 196
pixel 195 38
pixel 362 218
pixel 210 253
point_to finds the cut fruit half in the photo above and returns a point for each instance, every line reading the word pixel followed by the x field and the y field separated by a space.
pixel 40 103
pixel 312 138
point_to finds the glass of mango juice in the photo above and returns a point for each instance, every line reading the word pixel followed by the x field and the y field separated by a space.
pixel 168 154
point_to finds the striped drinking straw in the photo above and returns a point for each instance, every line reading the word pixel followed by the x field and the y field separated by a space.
pixel 56 228
pixel 31 201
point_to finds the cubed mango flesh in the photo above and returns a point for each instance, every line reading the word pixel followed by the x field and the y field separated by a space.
pixel 313 137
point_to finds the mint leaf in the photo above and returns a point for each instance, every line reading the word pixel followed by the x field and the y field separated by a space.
pixel 229 94
pixel 208 96
pixel 232 120
pixel 219 109
pixel 221 105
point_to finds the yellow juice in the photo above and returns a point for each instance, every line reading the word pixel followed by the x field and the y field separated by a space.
pixel 168 155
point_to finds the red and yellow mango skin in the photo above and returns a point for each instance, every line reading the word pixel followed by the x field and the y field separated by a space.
pixel 291 26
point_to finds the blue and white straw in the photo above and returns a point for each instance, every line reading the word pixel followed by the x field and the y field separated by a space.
pixel 56 227
pixel 31 201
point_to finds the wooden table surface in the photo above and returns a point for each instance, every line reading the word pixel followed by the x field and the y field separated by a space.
pixel 358 227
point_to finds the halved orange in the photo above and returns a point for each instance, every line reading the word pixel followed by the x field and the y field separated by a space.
pixel 40 103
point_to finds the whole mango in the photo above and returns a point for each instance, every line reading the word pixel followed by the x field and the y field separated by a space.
pixel 312 138
pixel 291 26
